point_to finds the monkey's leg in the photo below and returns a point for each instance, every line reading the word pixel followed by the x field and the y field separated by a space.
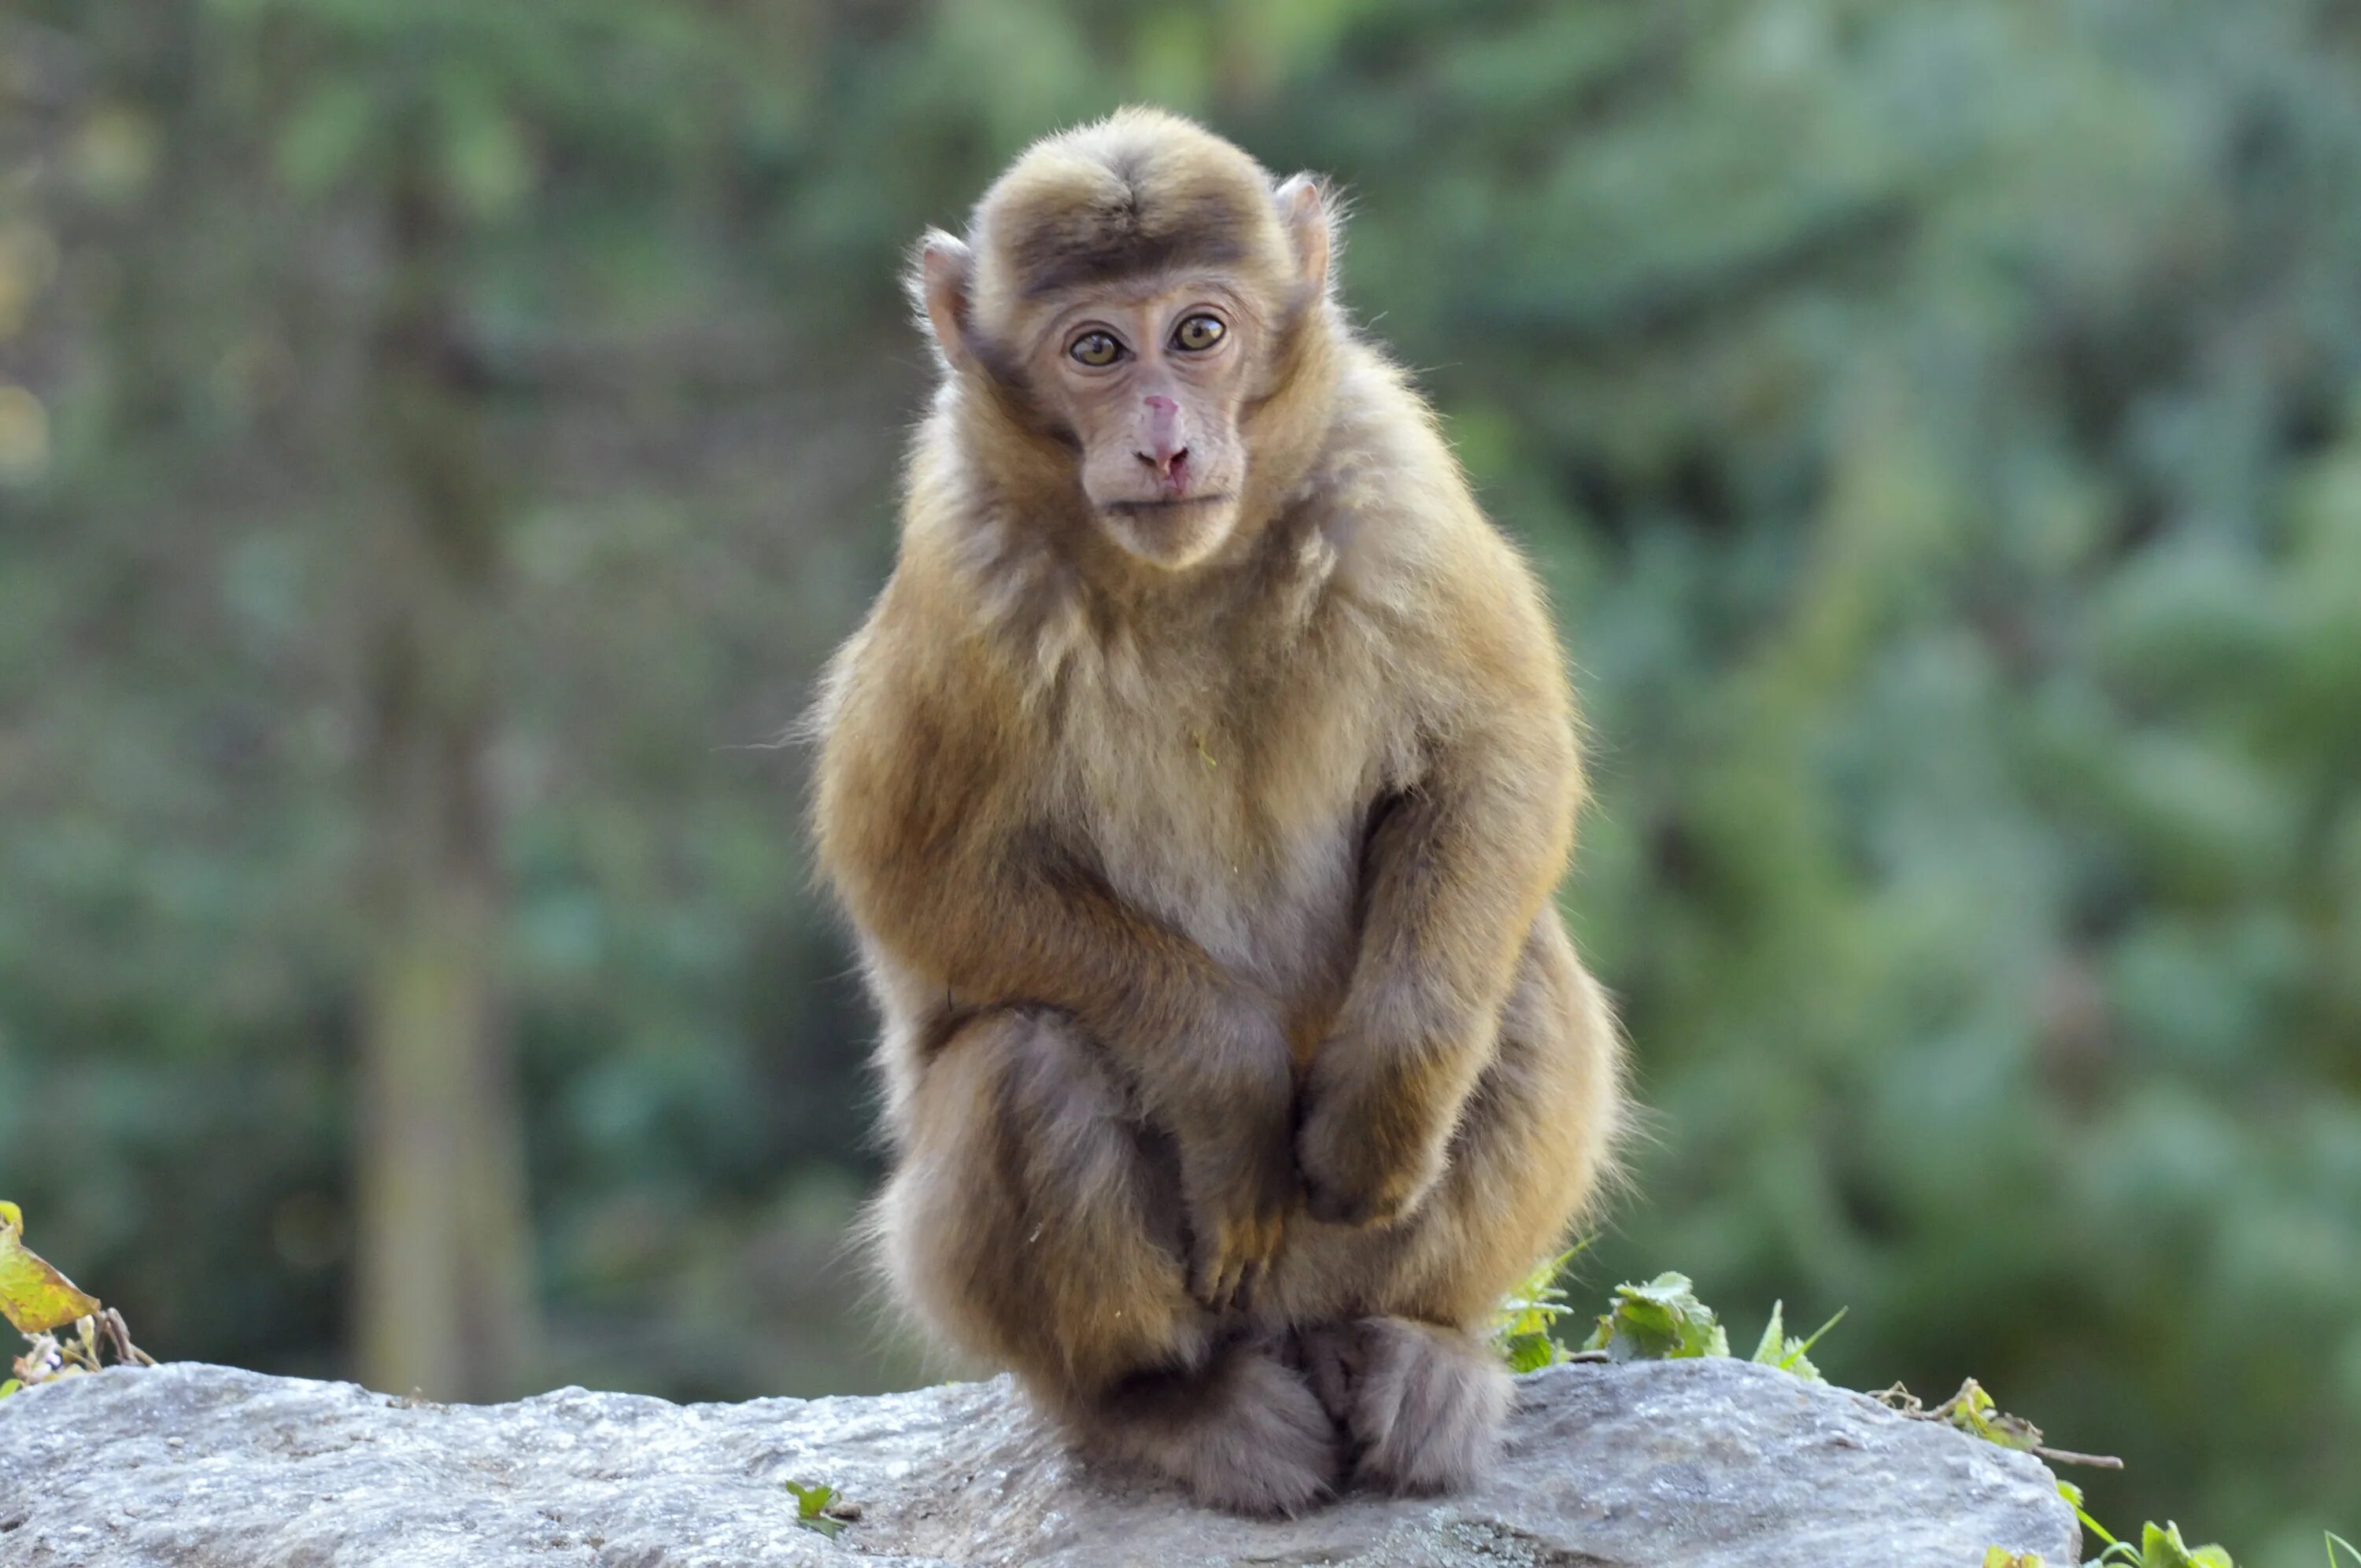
pixel 1035 1221
pixel 1398 1350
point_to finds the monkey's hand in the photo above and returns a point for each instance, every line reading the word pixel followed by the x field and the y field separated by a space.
pixel 1376 1134
pixel 1232 1120
pixel 1238 1193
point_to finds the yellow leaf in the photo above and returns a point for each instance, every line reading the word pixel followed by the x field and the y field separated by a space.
pixel 34 1296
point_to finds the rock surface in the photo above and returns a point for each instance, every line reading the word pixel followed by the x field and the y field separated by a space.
pixel 1698 1463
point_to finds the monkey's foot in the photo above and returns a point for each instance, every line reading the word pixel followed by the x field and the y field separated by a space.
pixel 1424 1405
pixel 1247 1434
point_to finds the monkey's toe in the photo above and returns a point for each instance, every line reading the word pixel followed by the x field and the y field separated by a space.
pixel 1424 1405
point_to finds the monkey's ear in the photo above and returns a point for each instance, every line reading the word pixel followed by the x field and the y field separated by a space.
pixel 942 281
pixel 1303 208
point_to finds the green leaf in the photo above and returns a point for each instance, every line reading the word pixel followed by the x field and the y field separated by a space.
pixel 10 1387
pixel 1787 1354
pixel 1973 1412
pixel 2163 1548
pixel 2335 1541
pixel 811 1507
pixel 1521 1325
pixel 34 1296
pixel 1794 1358
pixel 1769 1348
pixel 1661 1320
pixel 1531 1352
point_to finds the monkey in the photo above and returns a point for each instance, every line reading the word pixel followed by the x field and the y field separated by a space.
pixel 1197 787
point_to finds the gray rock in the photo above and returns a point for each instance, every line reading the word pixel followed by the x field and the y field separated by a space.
pixel 1700 1464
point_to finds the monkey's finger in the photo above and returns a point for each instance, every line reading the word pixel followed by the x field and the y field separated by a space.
pixel 1252 1281
pixel 1207 1279
pixel 1232 1278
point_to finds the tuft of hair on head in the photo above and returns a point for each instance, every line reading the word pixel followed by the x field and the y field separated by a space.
pixel 1141 191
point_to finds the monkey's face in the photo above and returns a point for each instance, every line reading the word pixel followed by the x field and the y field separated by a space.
pixel 1149 380
pixel 1135 293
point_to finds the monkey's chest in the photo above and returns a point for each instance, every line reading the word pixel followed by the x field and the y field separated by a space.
pixel 1253 858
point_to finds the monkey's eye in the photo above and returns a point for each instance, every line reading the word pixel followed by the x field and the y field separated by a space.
pixel 1096 349
pixel 1198 333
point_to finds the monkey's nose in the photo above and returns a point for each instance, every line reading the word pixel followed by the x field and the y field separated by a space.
pixel 1169 465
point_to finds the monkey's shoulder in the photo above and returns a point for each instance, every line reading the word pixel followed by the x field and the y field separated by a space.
pixel 1389 494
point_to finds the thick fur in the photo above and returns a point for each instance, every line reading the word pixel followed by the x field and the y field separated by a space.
pixel 1245 1432
pixel 1209 911
pixel 1421 1405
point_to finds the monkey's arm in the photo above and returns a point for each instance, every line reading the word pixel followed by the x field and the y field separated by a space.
pixel 1455 869
pixel 945 869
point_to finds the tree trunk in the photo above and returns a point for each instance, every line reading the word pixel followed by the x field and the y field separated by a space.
pixel 444 1264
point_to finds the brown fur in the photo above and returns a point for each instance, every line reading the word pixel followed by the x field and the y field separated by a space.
pixel 1236 1059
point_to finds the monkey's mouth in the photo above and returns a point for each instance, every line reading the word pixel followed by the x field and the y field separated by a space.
pixel 1164 504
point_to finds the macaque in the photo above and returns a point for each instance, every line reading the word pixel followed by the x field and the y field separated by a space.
pixel 1199 785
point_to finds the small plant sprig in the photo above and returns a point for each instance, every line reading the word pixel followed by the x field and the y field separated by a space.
pixel 820 1509
pixel 40 1302
pixel 1774 1349
pixel 1521 1328
pixel 1665 1320
pixel 1973 1411
pixel 2161 1547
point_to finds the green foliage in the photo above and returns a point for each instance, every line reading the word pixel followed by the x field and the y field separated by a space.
pixel 2161 1547
pixel 1660 1321
pixel 2073 1496
pixel 34 1296
pixel 1665 1320
pixel 1522 1327
pixel 812 1506
pixel 1774 1349
pixel 1973 1411
pixel 67 1331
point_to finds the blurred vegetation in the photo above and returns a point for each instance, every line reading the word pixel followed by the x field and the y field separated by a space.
pixel 438 441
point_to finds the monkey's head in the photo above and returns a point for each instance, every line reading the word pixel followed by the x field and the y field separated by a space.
pixel 1131 299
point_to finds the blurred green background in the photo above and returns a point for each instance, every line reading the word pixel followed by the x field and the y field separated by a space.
pixel 439 439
